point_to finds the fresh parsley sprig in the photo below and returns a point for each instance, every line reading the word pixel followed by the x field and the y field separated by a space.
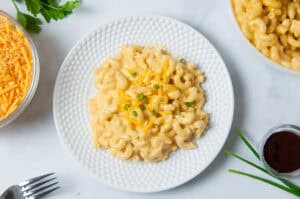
pixel 48 9
pixel 286 185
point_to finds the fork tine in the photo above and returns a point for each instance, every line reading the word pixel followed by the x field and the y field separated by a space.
pixel 36 179
pixel 36 185
pixel 40 195
pixel 39 190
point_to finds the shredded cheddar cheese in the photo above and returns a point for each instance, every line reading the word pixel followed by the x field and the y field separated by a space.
pixel 148 78
pixel 15 67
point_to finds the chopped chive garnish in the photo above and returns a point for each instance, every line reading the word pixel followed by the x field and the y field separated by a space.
pixel 141 96
pixel 126 106
pixel 183 61
pixel 190 104
pixel 285 185
pixel 154 113
pixel 146 100
pixel 134 113
pixel 156 86
pixel 142 107
pixel 134 74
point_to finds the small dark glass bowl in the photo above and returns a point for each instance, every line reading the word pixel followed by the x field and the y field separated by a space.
pixel 281 128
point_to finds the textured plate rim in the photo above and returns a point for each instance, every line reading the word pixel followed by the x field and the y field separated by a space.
pixel 172 185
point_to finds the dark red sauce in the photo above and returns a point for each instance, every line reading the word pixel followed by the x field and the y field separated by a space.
pixel 282 151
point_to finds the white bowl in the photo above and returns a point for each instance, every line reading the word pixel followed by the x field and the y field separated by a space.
pixel 285 127
pixel 251 48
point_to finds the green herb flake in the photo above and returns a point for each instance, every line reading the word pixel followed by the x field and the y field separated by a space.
pixel 153 113
pixel 183 61
pixel 134 113
pixel 190 104
pixel 126 106
pixel 156 86
pixel 134 74
pixel 141 96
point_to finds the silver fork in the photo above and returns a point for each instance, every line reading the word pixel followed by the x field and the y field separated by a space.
pixel 34 188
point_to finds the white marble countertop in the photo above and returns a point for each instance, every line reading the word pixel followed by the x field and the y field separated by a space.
pixel 265 97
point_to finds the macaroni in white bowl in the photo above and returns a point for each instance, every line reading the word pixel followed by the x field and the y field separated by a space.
pixel 273 27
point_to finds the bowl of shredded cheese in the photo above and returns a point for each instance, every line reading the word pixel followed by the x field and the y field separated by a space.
pixel 19 69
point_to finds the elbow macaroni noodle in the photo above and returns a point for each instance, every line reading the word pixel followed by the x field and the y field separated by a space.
pixel 147 105
pixel 273 27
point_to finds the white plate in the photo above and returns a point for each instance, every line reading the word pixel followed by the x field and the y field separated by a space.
pixel 74 85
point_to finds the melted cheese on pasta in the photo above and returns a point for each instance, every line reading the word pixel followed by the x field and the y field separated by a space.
pixel 15 67
pixel 148 104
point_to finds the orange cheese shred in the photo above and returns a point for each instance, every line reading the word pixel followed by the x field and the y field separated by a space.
pixel 15 67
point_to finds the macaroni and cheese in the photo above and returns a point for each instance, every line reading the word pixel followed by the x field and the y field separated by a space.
pixel 273 27
pixel 147 105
